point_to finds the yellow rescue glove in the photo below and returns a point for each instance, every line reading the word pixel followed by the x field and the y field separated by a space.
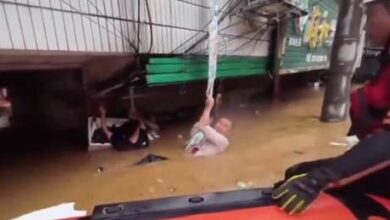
pixel 297 193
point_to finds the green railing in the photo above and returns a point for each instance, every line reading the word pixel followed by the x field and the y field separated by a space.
pixel 161 71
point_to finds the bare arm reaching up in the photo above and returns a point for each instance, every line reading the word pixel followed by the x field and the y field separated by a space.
pixel 205 119
pixel 103 121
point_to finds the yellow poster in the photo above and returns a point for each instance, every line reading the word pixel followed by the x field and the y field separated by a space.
pixel 319 31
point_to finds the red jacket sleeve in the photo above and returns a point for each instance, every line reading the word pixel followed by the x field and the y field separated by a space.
pixel 378 92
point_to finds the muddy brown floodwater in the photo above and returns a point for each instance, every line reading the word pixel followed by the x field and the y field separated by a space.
pixel 264 142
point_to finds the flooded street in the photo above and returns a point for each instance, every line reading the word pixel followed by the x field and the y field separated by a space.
pixel 264 142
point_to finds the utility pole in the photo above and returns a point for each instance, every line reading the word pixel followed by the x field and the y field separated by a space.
pixel 346 54
pixel 281 29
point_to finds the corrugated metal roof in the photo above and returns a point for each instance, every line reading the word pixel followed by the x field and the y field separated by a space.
pixel 112 26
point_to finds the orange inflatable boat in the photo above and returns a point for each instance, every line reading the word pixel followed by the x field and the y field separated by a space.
pixel 253 204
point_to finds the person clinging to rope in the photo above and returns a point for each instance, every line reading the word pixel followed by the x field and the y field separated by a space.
pixel 205 139
pixel 365 169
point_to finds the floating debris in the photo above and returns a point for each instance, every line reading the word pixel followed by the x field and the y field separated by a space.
pixel 181 140
pixel 352 140
pixel 150 158
pixel 339 144
pixel 159 180
pixel 315 85
pixel 251 184
pixel 100 169
pixel 298 152
pixel 241 185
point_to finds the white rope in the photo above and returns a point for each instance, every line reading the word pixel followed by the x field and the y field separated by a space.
pixel 213 49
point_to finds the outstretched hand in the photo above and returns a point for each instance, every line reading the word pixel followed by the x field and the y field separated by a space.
pixel 210 102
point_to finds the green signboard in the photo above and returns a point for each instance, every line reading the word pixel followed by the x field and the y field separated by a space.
pixel 309 39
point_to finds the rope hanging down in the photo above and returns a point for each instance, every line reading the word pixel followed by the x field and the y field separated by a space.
pixel 213 49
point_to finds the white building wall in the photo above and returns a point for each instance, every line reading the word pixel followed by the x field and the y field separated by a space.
pixel 109 26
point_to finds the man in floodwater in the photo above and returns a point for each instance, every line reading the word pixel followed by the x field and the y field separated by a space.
pixel 365 169
pixel 131 135
pixel 207 140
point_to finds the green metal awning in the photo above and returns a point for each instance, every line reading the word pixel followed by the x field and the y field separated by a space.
pixel 176 70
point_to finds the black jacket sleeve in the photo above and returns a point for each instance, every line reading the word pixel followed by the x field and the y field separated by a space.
pixel 370 155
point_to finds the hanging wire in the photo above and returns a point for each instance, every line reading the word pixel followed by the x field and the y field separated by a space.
pixel 33 26
pixel 55 26
pixel 202 30
pixel 132 43
pixel 108 35
pixel 255 38
pixel 8 27
pixel 90 26
pixel 259 34
pixel 120 25
pixel 232 8
pixel 238 15
pixel 229 26
pixel 234 37
pixel 150 26
pixel 101 13
pixel 64 24
pixel 44 26
pixel 100 26
pixel 75 32
pixel 21 28
pixel 138 26
pixel 227 10
pixel 83 28
pixel 100 29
